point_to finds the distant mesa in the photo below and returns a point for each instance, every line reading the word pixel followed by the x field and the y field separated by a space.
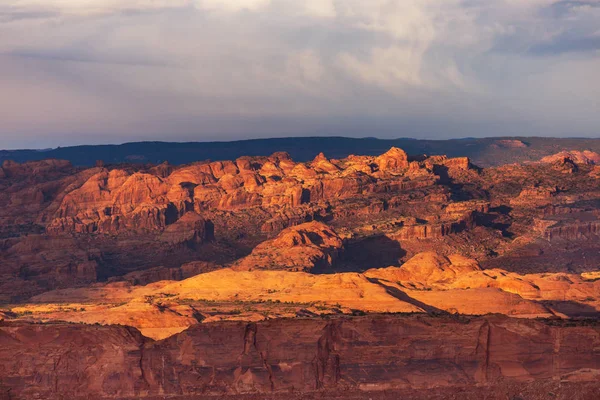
pixel 135 157
pixel 509 144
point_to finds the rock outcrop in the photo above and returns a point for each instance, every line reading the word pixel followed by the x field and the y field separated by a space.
pixel 509 144
pixel 428 282
pixel 190 230
pixel 578 157
pixel 119 200
pixel 535 196
pixel 410 228
pixel 373 354
pixel 394 160
pixel 312 246
pixel 157 274
pixel 575 230
pixel 113 220
pixel 427 268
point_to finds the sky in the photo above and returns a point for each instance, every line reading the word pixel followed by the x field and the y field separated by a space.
pixel 112 71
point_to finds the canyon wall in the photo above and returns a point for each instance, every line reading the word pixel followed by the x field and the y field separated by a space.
pixel 377 352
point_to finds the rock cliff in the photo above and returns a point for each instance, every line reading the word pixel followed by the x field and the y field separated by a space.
pixel 374 353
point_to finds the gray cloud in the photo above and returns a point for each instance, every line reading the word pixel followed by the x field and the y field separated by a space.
pixel 567 44
pixel 11 16
pixel 561 9
pixel 113 71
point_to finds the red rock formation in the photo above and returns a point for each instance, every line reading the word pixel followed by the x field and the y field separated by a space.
pixel 565 165
pixel 323 165
pixel 290 217
pixel 138 217
pixel 37 263
pixel 509 143
pixel 460 208
pixel 120 201
pixel 410 228
pixel 306 247
pixel 189 230
pixel 70 360
pixel 156 274
pixel 535 196
pixel 428 267
pixel 572 230
pixel 579 157
pixel 12 169
pixel 369 353
pixel 114 201
pixel 394 160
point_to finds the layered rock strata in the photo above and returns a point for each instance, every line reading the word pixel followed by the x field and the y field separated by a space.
pixel 372 353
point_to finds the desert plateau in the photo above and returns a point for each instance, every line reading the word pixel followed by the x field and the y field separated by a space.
pixel 385 275
pixel 299 200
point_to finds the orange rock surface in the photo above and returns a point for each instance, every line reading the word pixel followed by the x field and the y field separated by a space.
pixel 578 157
pixel 312 245
pixel 426 283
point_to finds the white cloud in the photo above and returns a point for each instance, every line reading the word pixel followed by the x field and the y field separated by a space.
pixel 320 8
pixel 232 5
pixel 389 68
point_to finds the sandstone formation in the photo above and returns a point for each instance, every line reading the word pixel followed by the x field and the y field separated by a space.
pixel 247 276
pixel 578 157
pixel 427 268
pixel 63 226
pixel 190 230
pixel 123 218
pixel 370 354
pixel 156 274
pixel 428 283
pixel 119 200
pixel 177 305
pixel 306 247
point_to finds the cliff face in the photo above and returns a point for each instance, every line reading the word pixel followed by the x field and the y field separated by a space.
pixel 573 231
pixel 365 353
pixel 119 200
pixel 68 360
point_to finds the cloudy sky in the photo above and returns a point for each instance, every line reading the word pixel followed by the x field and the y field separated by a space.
pixel 110 71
